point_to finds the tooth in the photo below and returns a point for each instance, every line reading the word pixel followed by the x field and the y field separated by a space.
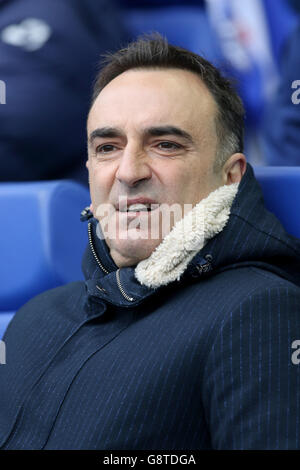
pixel 138 207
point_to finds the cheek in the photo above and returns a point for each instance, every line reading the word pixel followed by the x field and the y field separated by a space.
pixel 193 183
pixel 184 176
pixel 101 179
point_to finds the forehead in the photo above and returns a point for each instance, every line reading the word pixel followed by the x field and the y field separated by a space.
pixel 140 98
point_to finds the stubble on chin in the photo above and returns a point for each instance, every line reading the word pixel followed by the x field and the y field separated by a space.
pixel 131 252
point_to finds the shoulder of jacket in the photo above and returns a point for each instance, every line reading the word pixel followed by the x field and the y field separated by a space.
pixel 50 302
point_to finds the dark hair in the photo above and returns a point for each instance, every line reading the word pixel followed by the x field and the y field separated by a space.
pixel 154 51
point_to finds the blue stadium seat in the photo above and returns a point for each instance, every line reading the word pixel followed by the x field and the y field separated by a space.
pixel 281 188
pixel 41 240
pixel 5 318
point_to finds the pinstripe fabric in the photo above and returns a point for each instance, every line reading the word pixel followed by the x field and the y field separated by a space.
pixel 203 363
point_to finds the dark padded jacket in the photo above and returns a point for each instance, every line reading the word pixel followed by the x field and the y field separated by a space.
pixel 206 362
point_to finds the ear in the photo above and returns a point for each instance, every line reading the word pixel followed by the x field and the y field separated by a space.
pixel 234 168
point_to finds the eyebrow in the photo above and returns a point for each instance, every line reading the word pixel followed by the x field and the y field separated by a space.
pixel 155 131
pixel 105 132
pixel 169 130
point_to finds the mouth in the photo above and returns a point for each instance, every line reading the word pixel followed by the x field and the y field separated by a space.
pixel 137 213
pixel 136 207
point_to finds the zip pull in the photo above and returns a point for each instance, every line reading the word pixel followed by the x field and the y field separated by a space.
pixel 85 214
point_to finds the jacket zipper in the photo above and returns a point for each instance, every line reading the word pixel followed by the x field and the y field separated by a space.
pixel 126 296
pixel 93 249
pixel 130 299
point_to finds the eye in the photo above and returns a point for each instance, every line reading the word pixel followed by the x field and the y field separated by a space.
pixel 106 148
pixel 166 145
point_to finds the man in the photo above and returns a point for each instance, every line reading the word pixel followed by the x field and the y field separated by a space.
pixel 182 336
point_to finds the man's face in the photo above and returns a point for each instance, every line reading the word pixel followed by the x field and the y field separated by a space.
pixel 152 140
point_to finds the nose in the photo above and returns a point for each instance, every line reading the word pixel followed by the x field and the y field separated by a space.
pixel 133 167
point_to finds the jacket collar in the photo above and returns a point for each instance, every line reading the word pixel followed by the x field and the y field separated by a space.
pixel 170 259
pixel 252 237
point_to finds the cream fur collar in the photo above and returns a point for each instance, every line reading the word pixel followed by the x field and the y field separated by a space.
pixel 188 236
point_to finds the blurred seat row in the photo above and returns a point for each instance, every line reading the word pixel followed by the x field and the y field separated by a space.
pixel 42 239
